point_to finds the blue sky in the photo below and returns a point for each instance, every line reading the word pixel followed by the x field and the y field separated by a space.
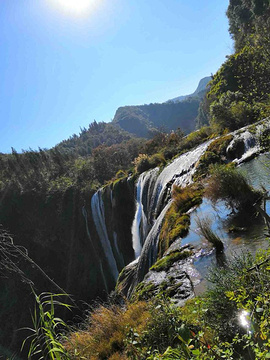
pixel 60 70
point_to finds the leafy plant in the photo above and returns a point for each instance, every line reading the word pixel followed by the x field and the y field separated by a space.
pixel 47 332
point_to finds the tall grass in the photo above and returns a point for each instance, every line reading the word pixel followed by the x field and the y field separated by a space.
pixel 204 229
pixel 47 332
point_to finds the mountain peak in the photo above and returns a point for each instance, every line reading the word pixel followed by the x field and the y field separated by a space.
pixel 201 87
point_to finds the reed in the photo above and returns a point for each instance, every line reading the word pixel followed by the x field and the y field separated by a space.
pixel 204 230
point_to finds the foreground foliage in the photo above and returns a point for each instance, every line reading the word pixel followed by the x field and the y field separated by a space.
pixel 231 321
pixel 46 334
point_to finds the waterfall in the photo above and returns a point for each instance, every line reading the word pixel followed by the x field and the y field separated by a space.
pixel 179 172
pixel 246 141
pixel 150 214
pixel 150 249
pixel 153 188
pixel 142 219
pixel 84 212
pixel 153 199
pixel 98 214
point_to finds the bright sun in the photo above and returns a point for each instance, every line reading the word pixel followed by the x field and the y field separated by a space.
pixel 76 6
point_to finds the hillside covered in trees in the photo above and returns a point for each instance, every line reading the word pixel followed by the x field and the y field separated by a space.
pixel 146 120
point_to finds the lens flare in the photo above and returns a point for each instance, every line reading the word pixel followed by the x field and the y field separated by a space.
pixel 76 6
pixel 244 319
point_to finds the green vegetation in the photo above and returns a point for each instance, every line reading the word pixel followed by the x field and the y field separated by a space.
pixel 176 221
pixel 145 120
pixel 219 145
pixel 43 194
pixel 167 261
pixel 144 162
pixel 230 185
pixel 229 322
pixel 46 338
pixel 239 91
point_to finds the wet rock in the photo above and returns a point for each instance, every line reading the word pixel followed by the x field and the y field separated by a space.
pixel 174 283
pixel 236 149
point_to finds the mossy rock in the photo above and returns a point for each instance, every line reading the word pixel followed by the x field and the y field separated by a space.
pixel 167 261
pixel 220 145
pixel 176 221
pixel 144 291
pixel 207 159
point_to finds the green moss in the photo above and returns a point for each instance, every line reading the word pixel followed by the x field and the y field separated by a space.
pixel 220 145
pixel 176 222
pixel 144 291
pixel 208 158
pixel 166 262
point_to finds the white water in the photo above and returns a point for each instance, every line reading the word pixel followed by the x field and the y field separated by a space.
pixel 148 218
pixel 98 214
pixel 150 248
pixel 250 140
pixel 179 173
pixel 152 191
pixel 140 226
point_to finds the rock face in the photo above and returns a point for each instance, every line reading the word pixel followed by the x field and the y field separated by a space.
pixel 170 277
pixel 64 239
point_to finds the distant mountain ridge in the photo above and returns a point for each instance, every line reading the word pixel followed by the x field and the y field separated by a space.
pixel 198 92
pixel 144 120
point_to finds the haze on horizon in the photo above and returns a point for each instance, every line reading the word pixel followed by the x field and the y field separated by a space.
pixel 64 66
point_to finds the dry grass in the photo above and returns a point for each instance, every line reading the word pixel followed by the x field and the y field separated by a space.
pixel 204 229
pixel 106 331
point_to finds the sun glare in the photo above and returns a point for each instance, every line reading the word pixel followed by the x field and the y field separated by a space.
pixel 76 6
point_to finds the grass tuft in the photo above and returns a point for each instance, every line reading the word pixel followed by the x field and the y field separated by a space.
pixel 204 229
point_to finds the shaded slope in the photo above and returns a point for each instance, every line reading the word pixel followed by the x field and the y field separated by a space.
pixel 143 120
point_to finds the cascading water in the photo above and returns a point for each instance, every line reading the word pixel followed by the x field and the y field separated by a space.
pixel 142 219
pixel 179 172
pixel 246 142
pixel 97 206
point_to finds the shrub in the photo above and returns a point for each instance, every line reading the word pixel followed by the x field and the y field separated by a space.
pixel 142 163
pixel 197 137
pixel 207 159
pixel 220 145
pixel 176 222
pixel 157 160
pixel 174 226
pixel 229 185
pixel 186 198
